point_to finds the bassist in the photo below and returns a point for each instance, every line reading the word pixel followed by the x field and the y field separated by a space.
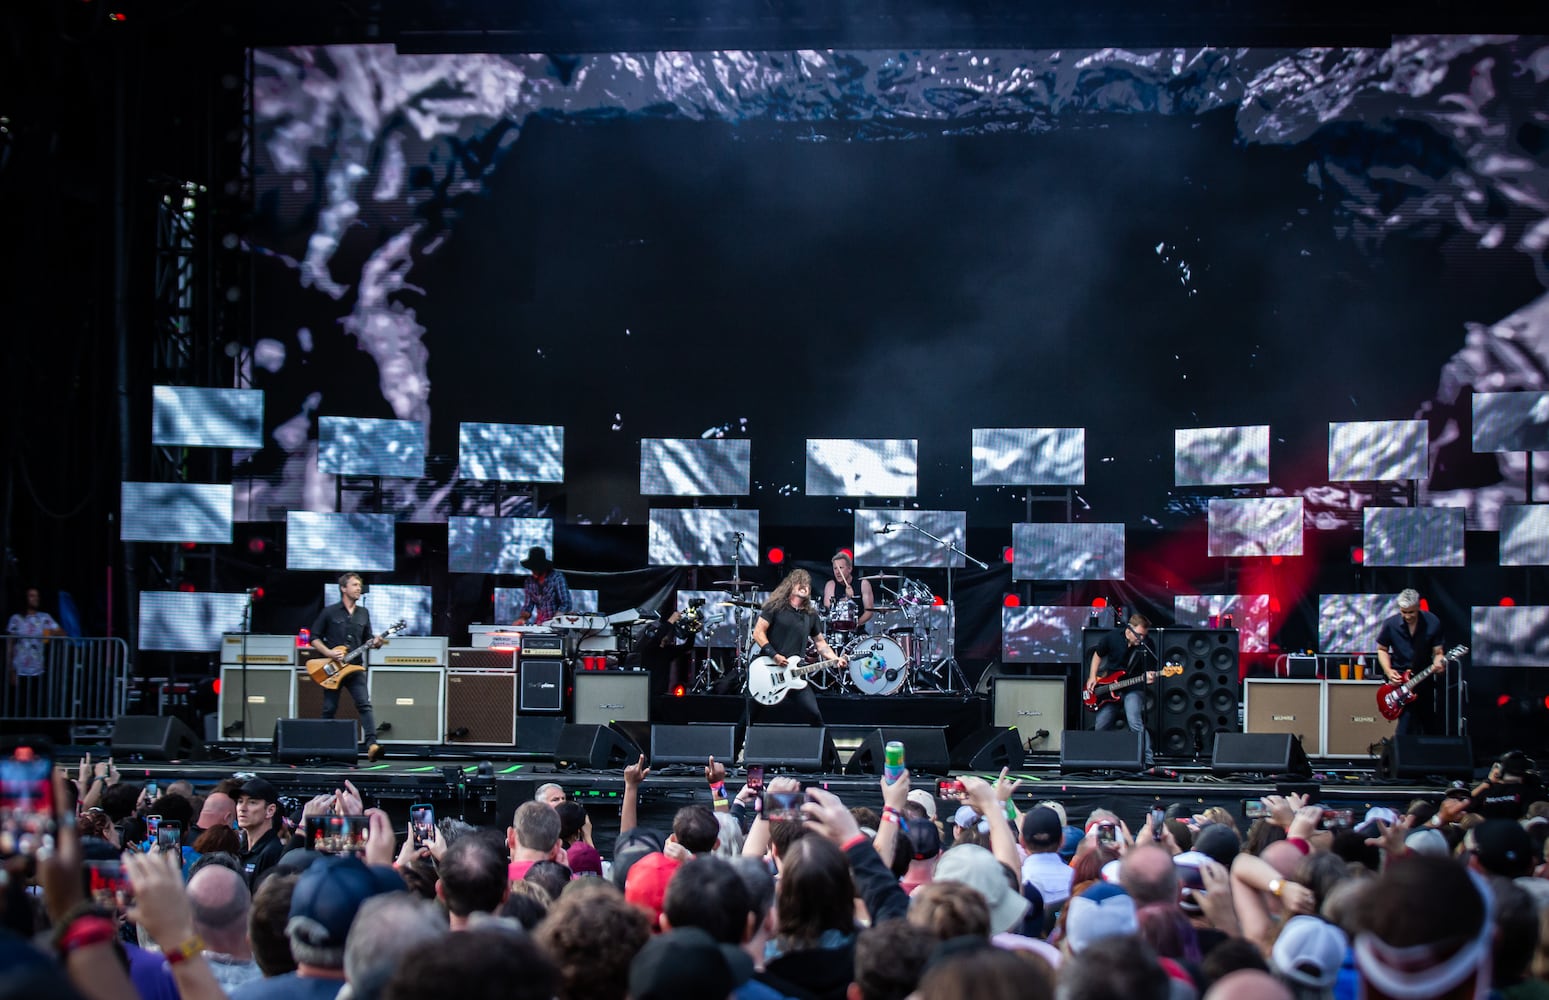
pixel 1125 650
pixel 786 623
pixel 1411 640
pixel 347 624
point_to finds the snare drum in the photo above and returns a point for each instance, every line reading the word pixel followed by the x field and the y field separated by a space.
pixel 877 664
pixel 843 614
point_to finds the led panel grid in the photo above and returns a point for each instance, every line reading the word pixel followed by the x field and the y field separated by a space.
pixel 194 417
pixel 1250 616
pixel 1525 535
pixel 1042 633
pixel 1509 637
pixel 389 602
pixel 1511 421
pixel 511 453
pixel 695 467
pixel 339 542
pixel 1348 623
pixel 508 599
pixel 495 544
pixel 1221 456
pixel 706 536
pixel 176 512
pixel 1255 526
pixel 175 622
pixel 1413 536
pixel 1067 551
pixel 361 446
pixel 1029 456
pixel 905 547
pixel 1377 451
pixel 863 467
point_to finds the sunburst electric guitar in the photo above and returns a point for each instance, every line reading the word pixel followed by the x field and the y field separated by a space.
pixel 1392 699
pixel 326 671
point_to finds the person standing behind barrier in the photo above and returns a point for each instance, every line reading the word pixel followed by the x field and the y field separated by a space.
pixel 24 655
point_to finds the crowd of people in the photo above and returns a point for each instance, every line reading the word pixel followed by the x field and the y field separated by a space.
pixel 780 892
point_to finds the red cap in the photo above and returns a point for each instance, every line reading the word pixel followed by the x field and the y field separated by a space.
pixel 646 884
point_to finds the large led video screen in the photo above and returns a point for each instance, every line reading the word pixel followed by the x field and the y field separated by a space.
pixel 1413 536
pixel 391 602
pixel 1255 526
pixel 695 467
pixel 1509 637
pixel 704 536
pixel 185 416
pixel 176 622
pixel 863 467
pixel 1029 456
pixel 1067 551
pixel 1525 535
pixel 1221 456
pixel 840 245
pixel 511 453
pixel 1249 614
pixel 509 599
pixel 897 538
pixel 339 542
pixel 495 544
pixel 1511 421
pixel 361 446
pixel 1372 450
pixel 1045 633
pixel 175 512
pixel 1349 623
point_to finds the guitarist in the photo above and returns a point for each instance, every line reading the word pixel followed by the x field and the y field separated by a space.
pixel 1410 640
pixel 348 624
pixel 1124 649
pixel 786 623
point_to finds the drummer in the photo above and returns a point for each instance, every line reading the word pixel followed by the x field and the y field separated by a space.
pixel 846 609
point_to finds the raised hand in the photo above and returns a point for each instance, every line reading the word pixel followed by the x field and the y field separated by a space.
pixel 636 772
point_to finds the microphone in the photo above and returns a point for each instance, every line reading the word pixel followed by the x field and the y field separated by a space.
pixel 252 590
pixel 886 529
pixel 1041 734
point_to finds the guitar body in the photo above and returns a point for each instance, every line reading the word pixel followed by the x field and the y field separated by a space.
pixel 1392 699
pixel 1102 694
pixel 329 674
pixel 769 683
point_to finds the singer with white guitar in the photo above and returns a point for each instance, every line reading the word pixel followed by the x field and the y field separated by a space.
pixel 1411 641
pixel 786 623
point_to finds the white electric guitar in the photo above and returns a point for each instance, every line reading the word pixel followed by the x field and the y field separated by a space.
pixel 768 682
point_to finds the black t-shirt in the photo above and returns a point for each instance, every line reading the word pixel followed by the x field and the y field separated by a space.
pixel 337 628
pixel 1508 800
pixel 1118 654
pixel 262 856
pixel 1411 652
pixel 790 629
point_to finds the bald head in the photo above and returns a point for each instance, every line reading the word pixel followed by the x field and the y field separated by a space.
pixel 1283 857
pixel 220 902
pixel 1248 984
pixel 1148 875
pixel 219 810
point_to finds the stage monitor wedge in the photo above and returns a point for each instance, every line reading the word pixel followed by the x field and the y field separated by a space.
pixel 154 737
pixel 1109 750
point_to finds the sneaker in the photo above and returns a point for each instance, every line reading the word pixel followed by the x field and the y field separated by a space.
pixel 375 752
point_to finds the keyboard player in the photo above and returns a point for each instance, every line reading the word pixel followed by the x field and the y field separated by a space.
pixel 546 593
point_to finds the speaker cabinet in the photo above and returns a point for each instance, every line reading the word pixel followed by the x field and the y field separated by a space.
pixel 1033 704
pixel 990 749
pixel 1354 725
pixel 602 697
pixel 481 707
pixel 1286 706
pixel 155 737
pixel 408 703
pixel 539 733
pixel 1109 750
pixel 925 750
pixel 1423 757
pixel 598 748
pixel 693 744
pixel 300 741
pixel 309 698
pixel 1203 699
pixel 543 685
pixel 792 748
pixel 1259 753
pixel 271 695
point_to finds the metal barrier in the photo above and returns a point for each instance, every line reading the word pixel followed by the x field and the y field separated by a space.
pixel 84 681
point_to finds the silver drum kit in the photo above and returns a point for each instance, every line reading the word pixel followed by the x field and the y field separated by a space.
pixel 890 657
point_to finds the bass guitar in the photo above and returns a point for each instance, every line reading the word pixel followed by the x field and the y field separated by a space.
pixel 326 670
pixel 1392 699
pixel 768 682
pixel 1109 687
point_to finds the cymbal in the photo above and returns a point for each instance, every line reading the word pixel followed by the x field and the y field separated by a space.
pixel 883 576
pixel 733 584
pixel 741 604
pixel 883 609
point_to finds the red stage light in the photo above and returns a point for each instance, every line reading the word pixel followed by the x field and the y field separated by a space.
pixel 188 546
pixel 258 593
pixel 1011 601
pixel 1099 602
pixel 1503 701
pixel 413 548
pixel 1424 604
pixel 257 545
pixel 679 691
pixel 1275 560
pixel 117 17
pixel 187 587
pixel 1357 555
pixel 1508 602
pixel 776 556
pixel 1274 605
pixel 850 553
pixel 937 601
pixel 1546 701
pixel 1008 555
pixel 217 685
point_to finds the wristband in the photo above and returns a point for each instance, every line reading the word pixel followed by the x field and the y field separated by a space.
pixel 86 931
pixel 1300 845
pixel 891 815
pixel 718 790
pixel 183 952
pixel 855 841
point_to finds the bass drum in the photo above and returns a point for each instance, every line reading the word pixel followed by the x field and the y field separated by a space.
pixel 877 664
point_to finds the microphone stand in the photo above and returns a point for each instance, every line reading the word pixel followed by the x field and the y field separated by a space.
pixel 247 628
pixel 950 661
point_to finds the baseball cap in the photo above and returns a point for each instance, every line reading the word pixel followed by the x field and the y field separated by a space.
pixel 1459 790
pixel 1042 828
pixel 1218 842
pixel 687 962
pixel 1428 840
pixel 1368 825
pixel 1059 810
pixel 1309 952
pixel 923 837
pixel 259 788
pixel 968 817
pixel 328 894
pixel 926 800
pixel 1503 847
pixel 584 859
pixel 630 846
pixel 978 869
pixel 1104 910
pixel 646 884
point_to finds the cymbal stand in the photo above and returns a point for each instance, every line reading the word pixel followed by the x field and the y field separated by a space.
pixel 950 662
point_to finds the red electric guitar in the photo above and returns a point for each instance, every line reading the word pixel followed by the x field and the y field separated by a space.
pixel 1392 699
pixel 1110 687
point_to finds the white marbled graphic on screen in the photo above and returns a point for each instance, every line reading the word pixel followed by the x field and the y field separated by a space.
pixel 1042 633
pixel 176 512
pixel 389 602
pixel 1511 421
pixel 511 453
pixel 695 467
pixel 495 544
pixel 1509 637
pixel 902 546
pixel 1029 456
pixel 1250 616
pixel 1221 456
pixel 701 537
pixel 1255 526
pixel 339 542
pixel 192 417
pixel 1525 535
pixel 1377 450
pixel 862 467
pixel 364 446
pixel 1348 623
pixel 175 622
pixel 1067 551
pixel 1419 536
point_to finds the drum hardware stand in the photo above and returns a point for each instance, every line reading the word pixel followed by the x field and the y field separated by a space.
pixel 950 661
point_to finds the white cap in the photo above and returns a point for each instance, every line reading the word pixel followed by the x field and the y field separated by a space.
pixel 1309 952
pixel 925 799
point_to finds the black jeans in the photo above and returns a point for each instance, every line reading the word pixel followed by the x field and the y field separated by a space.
pixel 355 684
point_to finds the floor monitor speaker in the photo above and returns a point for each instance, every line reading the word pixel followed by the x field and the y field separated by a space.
pixel 989 750
pixel 539 733
pixel 925 750
pixel 155 737
pixel 300 741
pixel 595 747
pixel 693 744
pixel 791 748
pixel 1421 757
pixel 1109 750
pixel 1259 753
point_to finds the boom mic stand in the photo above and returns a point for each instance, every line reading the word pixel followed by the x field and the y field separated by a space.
pixel 247 627
pixel 950 662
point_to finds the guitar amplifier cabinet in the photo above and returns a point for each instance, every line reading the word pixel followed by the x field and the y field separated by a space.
pixel 1286 706
pixel 271 695
pixel 1354 724
pixel 267 649
pixel 543 685
pixel 1030 704
pixel 604 697
pixel 409 700
pixel 309 699
pixel 412 651
pixel 481 707
pixel 488 658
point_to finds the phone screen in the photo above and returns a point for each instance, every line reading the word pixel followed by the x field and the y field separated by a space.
pixel 107 885
pixel 1107 834
pixel 422 821
pixel 756 777
pixel 948 788
pixel 1254 809
pixel 27 820
pixel 337 834
pixel 169 835
pixel 1158 817
pixel 783 805
pixel 152 792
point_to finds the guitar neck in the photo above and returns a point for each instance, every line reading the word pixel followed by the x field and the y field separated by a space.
pixel 1126 683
